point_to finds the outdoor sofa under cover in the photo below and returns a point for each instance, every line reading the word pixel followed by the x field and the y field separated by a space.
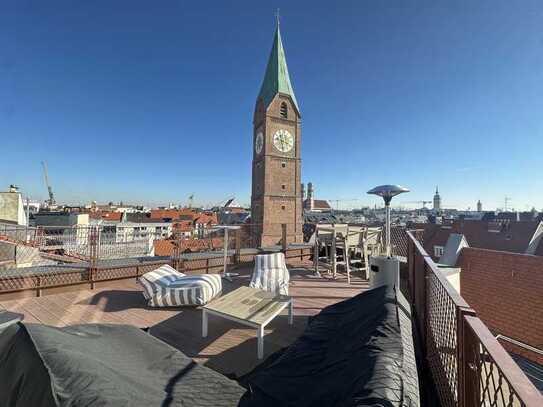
pixel 358 352
pixel 103 365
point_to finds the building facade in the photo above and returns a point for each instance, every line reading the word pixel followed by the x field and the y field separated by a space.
pixel 276 168
pixel 11 207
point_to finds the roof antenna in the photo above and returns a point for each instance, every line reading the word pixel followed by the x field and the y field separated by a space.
pixel 277 17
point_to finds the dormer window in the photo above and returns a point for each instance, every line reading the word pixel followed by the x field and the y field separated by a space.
pixel 284 110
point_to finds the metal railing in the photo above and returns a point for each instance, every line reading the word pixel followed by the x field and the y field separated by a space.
pixel 468 366
pixel 46 257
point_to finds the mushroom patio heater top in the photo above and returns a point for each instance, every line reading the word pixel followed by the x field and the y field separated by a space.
pixel 387 192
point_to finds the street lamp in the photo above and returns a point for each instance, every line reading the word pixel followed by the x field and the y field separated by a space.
pixel 387 192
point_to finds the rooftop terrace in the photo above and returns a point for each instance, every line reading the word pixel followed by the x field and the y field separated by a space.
pixel 460 355
pixel 229 347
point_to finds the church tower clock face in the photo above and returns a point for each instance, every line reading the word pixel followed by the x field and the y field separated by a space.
pixel 259 142
pixel 283 141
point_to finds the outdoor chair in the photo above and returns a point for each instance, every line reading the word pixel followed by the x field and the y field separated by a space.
pixel 271 273
pixel 166 287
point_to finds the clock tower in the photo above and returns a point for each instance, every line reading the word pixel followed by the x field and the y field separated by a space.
pixel 276 190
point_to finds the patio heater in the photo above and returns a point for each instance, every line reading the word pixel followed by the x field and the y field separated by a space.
pixel 226 275
pixel 385 270
pixel 387 192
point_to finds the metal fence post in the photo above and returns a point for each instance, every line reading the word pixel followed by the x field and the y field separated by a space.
pixel 420 300
pixel 468 380
pixel 237 242
pixel 93 258
pixel 38 286
pixel 284 238
pixel 411 270
pixel 174 259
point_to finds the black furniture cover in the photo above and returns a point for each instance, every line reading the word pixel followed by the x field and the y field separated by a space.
pixel 103 365
pixel 351 354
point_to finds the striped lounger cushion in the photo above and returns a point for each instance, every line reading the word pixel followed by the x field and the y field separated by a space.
pixel 166 287
pixel 271 273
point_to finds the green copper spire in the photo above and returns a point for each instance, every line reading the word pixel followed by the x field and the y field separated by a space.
pixel 277 79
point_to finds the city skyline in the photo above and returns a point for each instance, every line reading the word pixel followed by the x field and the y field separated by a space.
pixel 131 105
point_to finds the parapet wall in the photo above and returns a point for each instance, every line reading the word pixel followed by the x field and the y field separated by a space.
pixel 506 291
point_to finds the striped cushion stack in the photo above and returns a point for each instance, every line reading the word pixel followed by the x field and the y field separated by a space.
pixel 271 273
pixel 166 287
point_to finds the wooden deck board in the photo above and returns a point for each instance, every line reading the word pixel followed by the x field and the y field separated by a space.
pixel 229 348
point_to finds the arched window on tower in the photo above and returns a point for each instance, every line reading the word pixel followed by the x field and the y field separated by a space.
pixel 284 110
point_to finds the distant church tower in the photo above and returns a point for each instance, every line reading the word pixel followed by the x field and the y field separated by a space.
pixel 276 187
pixel 479 206
pixel 437 201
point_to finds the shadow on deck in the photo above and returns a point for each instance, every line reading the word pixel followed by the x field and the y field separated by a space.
pixel 229 348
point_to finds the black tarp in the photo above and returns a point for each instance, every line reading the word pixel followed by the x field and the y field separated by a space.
pixel 351 354
pixel 103 365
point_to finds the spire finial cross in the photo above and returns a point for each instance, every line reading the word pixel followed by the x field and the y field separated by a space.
pixel 277 16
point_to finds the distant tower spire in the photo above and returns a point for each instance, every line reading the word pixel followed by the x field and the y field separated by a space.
pixel 277 17
pixel 276 78
pixel 437 200
pixel 479 206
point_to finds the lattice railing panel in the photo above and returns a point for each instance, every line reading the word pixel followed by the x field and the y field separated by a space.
pixel 15 283
pixel 398 240
pixel 495 389
pixel 63 278
pixel 115 273
pixel 442 331
pixel 468 366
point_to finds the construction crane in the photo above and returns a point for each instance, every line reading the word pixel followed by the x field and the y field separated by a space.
pixel 424 203
pixel 51 200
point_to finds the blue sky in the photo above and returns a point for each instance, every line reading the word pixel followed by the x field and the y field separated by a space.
pixel 151 101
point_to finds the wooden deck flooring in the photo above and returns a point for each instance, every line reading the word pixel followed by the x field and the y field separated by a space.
pixel 229 348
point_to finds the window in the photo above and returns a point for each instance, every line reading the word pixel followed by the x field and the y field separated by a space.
pixel 284 110
pixel 283 164
pixel 438 251
pixel 283 186
pixel 283 207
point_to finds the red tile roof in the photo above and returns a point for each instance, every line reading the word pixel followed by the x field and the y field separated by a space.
pixel 321 204
pixel 183 226
pixel 172 213
pixel 166 247
pixel 163 247
pixel 116 216
pixel 208 218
